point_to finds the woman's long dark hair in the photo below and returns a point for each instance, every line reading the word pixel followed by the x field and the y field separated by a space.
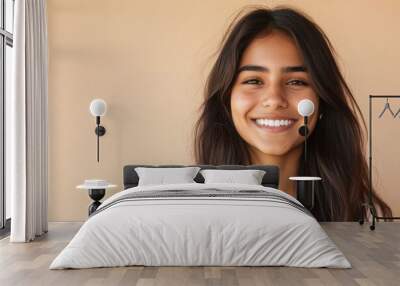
pixel 337 142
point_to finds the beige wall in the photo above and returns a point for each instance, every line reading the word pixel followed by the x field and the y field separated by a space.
pixel 149 61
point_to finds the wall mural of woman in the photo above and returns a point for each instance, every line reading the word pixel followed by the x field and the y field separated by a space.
pixel 270 59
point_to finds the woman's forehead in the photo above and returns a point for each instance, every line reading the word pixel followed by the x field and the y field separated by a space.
pixel 275 49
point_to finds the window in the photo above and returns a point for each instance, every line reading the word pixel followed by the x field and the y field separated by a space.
pixel 6 62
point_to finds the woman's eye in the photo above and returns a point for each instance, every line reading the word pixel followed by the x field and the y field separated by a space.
pixel 298 82
pixel 253 81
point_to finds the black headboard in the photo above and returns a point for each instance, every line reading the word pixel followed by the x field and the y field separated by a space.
pixel 270 179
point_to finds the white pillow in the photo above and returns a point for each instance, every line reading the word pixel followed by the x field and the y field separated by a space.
pixel 249 177
pixel 161 176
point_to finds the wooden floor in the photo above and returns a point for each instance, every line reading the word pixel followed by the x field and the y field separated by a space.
pixel 374 255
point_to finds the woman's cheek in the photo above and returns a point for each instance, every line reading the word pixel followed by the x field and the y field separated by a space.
pixel 241 104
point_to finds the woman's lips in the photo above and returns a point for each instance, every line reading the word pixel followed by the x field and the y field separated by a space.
pixel 274 129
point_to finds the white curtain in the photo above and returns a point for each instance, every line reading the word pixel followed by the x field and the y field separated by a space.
pixel 27 123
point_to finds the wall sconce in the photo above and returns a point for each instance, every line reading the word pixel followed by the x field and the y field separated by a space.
pixel 98 108
pixel 305 108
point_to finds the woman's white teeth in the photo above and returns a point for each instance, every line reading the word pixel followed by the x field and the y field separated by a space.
pixel 273 123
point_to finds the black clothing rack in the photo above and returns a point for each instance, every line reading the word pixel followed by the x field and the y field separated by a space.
pixel 370 204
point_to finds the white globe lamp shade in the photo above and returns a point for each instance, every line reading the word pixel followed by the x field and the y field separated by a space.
pixel 98 107
pixel 305 107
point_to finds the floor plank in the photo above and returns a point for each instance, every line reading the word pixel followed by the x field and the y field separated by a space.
pixel 374 255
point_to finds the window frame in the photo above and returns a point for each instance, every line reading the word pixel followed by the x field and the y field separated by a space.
pixel 6 39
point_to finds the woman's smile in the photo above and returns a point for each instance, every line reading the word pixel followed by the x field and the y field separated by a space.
pixel 274 125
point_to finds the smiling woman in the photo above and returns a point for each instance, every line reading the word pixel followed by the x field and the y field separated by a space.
pixel 270 60
pixel 270 82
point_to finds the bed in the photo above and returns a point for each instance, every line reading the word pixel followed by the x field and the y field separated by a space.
pixel 201 224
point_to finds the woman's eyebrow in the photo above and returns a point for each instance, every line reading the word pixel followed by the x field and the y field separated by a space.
pixel 295 69
pixel 252 68
pixel 265 69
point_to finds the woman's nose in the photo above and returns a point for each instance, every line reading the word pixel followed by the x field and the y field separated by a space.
pixel 274 97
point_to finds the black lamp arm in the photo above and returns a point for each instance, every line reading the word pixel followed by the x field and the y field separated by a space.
pixel 100 131
pixel 98 145
pixel 303 130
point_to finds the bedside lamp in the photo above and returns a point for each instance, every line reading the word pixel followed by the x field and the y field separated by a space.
pixel 98 108
pixel 306 186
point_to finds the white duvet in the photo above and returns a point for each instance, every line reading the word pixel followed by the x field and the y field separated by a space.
pixel 185 231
